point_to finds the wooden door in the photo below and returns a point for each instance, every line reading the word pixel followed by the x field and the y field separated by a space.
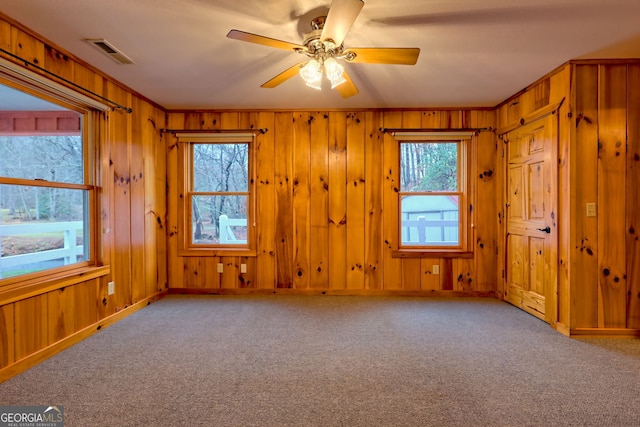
pixel 531 238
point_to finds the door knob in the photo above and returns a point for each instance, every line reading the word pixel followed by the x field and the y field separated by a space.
pixel 547 229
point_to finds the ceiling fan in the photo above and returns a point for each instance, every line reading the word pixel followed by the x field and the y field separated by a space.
pixel 323 46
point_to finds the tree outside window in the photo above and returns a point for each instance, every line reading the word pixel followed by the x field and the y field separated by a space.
pixel 431 194
pixel 219 193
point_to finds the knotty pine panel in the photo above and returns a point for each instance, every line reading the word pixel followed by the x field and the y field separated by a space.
pixel 175 266
pixel 633 201
pixel 330 178
pixel 301 197
pixel 138 222
pixel 7 335
pixel 485 187
pixel 27 47
pixel 391 217
pixel 120 156
pixel 265 270
pixel 319 201
pixel 374 241
pixel 337 215
pixel 58 63
pixel 356 184
pixel 5 35
pixel 31 329
pixel 612 125
pixel 584 309
pixel 61 321
pixel 283 168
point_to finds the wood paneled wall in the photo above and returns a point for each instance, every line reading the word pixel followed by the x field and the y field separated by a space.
pixel 599 162
pixel 326 202
pixel 131 164
pixel 605 280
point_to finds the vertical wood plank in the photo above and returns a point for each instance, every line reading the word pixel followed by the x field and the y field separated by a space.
pixel 27 47
pixel 374 270
pixel 30 325
pixel 5 35
pixel 318 204
pixel 156 171
pixel 566 148
pixel 119 133
pixel 86 297
pixel 61 317
pixel 355 201
pixel 337 200
pixel 58 63
pixel 248 279
pixel 611 195
pixel 87 78
pixel 265 159
pixel 284 205
pixel 584 169
pixel 174 263
pixel 138 195
pixel 485 206
pixel 633 201
pixel 391 186
pixel 7 334
pixel 430 281
pixel 301 226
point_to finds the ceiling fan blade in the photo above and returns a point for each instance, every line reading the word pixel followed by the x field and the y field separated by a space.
pixel 347 88
pixel 284 76
pixel 266 41
pixel 383 55
pixel 342 14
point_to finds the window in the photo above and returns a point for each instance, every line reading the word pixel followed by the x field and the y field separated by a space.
pixel 218 187
pixel 433 198
pixel 47 197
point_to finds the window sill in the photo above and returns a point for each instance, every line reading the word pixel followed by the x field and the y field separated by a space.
pixel 31 287
pixel 422 253
pixel 216 252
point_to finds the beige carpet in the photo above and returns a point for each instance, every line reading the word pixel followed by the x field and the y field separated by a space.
pixel 335 361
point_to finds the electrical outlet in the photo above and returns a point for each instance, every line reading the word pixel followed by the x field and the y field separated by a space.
pixel 591 209
pixel 111 288
pixel 220 267
pixel 243 268
pixel 435 269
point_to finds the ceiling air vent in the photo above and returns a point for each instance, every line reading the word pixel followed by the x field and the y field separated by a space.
pixel 108 49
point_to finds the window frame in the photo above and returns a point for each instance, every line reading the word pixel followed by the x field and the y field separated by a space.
pixel 464 140
pixel 186 140
pixel 91 113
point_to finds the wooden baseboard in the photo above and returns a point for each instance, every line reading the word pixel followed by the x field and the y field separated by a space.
pixel 39 356
pixel 605 333
pixel 334 292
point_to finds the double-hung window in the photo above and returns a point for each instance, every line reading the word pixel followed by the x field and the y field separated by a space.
pixel 217 207
pixel 433 196
pixel 47 194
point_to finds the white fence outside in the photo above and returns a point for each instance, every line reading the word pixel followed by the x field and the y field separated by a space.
pixel 69 253
pixel 226 232
pixel 422 224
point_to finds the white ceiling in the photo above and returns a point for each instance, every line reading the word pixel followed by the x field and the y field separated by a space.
pixel 473 52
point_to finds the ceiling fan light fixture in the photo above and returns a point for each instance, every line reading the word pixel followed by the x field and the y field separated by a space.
pixel 334 72
pixel 311 73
